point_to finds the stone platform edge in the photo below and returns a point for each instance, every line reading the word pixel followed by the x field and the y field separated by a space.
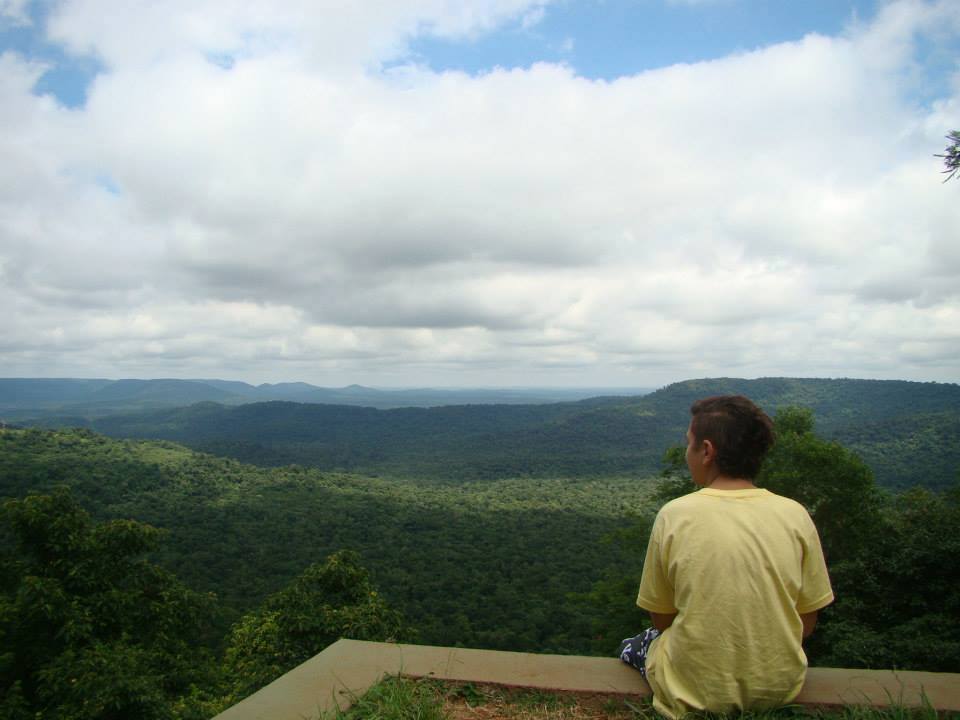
pixel 344 671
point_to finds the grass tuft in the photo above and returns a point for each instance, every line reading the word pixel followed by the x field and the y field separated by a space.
pixel 394 698
pixel 397 698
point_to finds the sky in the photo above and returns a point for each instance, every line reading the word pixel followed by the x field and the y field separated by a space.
pixel 492 193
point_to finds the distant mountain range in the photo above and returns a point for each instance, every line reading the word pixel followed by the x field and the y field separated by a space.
pixel 34 398
pixel 909 433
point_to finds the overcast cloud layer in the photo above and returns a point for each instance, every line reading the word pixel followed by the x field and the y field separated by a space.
pixel 253 196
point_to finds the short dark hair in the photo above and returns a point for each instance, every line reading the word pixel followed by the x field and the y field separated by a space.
pixel 741 432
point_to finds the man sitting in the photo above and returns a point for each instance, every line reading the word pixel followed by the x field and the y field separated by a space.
pixel 733 578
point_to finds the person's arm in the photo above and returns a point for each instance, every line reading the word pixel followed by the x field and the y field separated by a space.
pixel 661 621
pixel 656 591
pixel 815 591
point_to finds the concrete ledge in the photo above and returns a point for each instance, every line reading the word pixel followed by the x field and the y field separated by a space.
pixel 348 667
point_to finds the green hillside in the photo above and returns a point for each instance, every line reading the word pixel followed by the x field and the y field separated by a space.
pixel 32 400
pixel 483 565
pixel 533 564
pixel 906 431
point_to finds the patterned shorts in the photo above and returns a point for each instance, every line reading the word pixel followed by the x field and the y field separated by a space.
pixel 633 651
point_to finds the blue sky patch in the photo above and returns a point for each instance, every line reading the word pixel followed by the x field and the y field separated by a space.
pixel 107 183
pixel 606 39
pixel 225 61
pixel 68 77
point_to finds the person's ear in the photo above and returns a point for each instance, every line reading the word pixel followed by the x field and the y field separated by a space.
pixel 709 452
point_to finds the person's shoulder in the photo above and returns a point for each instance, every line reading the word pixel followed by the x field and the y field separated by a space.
pixel 785 504
pixel 773 497
pixel 682 504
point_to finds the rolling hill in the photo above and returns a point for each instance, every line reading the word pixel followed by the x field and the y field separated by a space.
pixel 32 399
pixel 906 431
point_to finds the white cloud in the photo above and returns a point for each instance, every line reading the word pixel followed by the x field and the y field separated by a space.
pixel 533 17
pixel 327 34
pixel 299 214
pixel 14 12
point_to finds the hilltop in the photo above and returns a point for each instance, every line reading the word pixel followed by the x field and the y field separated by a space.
pixel 31 399
pixel 907 432
pixel 488 564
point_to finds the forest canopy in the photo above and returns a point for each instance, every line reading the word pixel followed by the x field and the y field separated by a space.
pixel 908 433
pixel 171 582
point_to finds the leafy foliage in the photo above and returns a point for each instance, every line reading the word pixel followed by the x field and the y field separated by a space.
pixel 485 564
pixel 93 623
pixel 951 156
pixel 827 479
pixel 91 629
pixel 898 601
pixel 612 615
pixel 328 601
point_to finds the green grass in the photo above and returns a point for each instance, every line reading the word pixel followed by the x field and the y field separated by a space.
pixel 396 698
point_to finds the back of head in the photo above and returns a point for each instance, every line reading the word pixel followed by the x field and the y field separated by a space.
pixel 740 431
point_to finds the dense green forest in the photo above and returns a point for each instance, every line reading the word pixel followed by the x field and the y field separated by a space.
pixel 267 564
pixel 907 432
pixel 483 564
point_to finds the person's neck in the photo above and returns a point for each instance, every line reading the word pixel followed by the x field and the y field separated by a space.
pixel 722 482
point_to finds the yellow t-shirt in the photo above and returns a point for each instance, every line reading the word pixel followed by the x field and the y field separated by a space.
pixel 738 567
